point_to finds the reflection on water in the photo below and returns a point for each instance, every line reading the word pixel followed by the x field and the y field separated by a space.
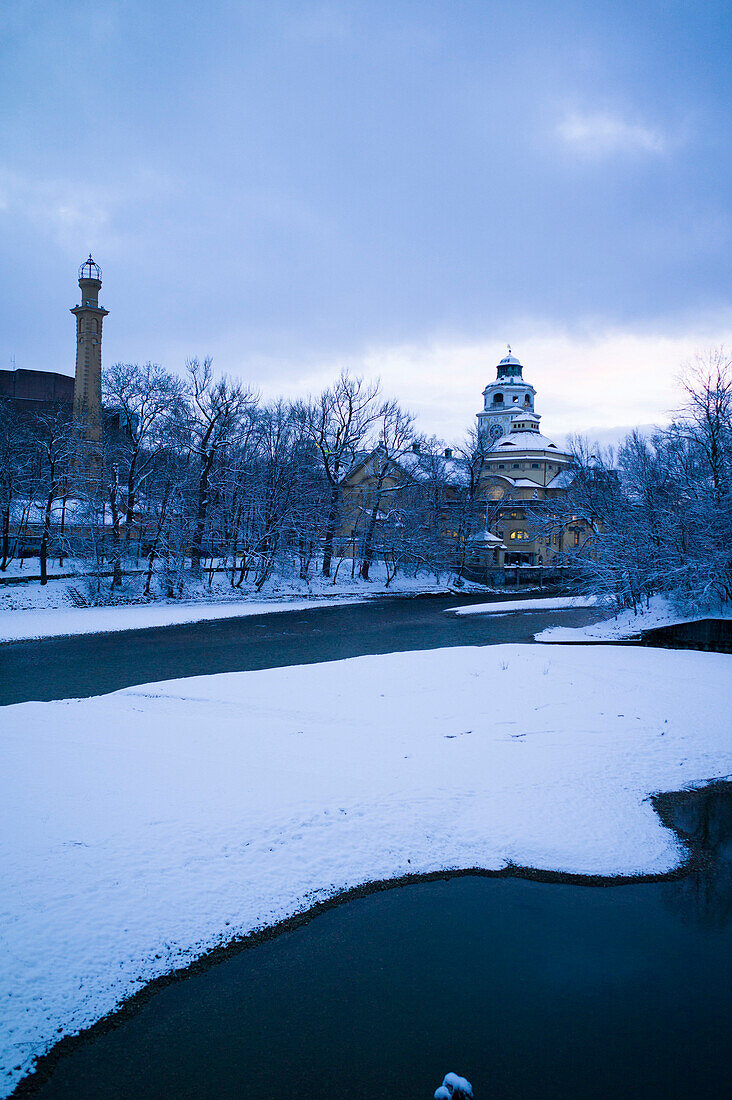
pixel 705 894
pixel 528 989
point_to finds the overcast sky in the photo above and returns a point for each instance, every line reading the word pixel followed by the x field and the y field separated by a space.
pixel 397 187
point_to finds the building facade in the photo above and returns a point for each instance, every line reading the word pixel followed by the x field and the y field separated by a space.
pixel 503 508
pixel 525 476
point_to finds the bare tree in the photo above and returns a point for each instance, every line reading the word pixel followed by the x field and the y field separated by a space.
pixel 57 448
pixel 216 410
pixel 395 429
pixel 707 415
pixel 338 424
pixel 147 401
pixel 16 459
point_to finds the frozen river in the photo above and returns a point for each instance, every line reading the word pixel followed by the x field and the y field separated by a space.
pixel 527 988
pixel 93 664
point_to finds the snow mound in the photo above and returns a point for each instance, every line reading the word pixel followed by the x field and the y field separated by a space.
pixel 554 603
pixel 142 828
pixel 454 1087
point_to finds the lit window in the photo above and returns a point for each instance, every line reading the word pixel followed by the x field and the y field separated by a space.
pixel 519 535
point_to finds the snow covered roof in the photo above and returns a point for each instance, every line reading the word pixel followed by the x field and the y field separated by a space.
pixel 563 480
pixel 509 360
pixel 72 511
pixel 485 538
pixel 524 441
pixel 424 466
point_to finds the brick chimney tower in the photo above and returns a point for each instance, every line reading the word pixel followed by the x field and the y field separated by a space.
pixel 88 378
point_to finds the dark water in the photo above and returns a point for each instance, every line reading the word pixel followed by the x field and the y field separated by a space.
pixel 92 664
pixel 528 989
pixel 708 634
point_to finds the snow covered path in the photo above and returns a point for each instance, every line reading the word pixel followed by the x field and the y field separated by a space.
pixel 141 828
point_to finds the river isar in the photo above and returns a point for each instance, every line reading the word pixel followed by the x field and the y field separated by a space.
pixel 528 988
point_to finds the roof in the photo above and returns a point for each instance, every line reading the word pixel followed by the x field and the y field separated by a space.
pixel 424 466
pixel 562 480
pixel 485 538
pixel 524 441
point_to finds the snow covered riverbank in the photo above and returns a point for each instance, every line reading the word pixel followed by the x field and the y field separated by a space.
pixel 550 603
pixel 629 624
pixel 18 626
pixel 34 611
pixel 142 828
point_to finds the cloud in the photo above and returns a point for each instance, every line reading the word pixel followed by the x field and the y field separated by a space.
pixel 65 210
pixel 599 134
pixel 585 382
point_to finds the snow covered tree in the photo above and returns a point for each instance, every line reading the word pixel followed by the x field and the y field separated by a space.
pixel 216 409
pixel 339 424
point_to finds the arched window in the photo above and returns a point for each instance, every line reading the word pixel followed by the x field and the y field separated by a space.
pixel 518 536
pixel 497 398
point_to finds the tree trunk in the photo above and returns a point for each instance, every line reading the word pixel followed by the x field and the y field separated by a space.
pixel 45 538
pixel 6 537
pixel 330 531
pixel 368 544
pixel 197 544
pixel 130 498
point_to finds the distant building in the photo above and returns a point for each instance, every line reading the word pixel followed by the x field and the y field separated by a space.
pixel 33 391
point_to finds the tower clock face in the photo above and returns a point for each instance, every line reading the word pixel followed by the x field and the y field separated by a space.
pixel 495 431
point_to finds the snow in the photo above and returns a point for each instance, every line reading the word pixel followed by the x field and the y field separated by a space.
pixel 485 537
pixel 563 480
pixel 627 624
pixel 523 441
pixel 141 828
pixel 23 625
pixel 32 610
pixel 454 1086
pixel 554 603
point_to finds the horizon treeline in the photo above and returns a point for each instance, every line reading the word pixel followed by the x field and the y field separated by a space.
pixel 197 474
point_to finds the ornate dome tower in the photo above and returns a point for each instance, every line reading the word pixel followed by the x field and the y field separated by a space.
pixel 88 378
pixel 509 396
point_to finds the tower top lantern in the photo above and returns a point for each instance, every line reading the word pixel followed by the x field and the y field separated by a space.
pixel 90 272
pixel 509 367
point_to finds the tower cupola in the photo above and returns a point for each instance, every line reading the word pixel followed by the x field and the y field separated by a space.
pixel 509 367
pixel 504 399
pixel 90 282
